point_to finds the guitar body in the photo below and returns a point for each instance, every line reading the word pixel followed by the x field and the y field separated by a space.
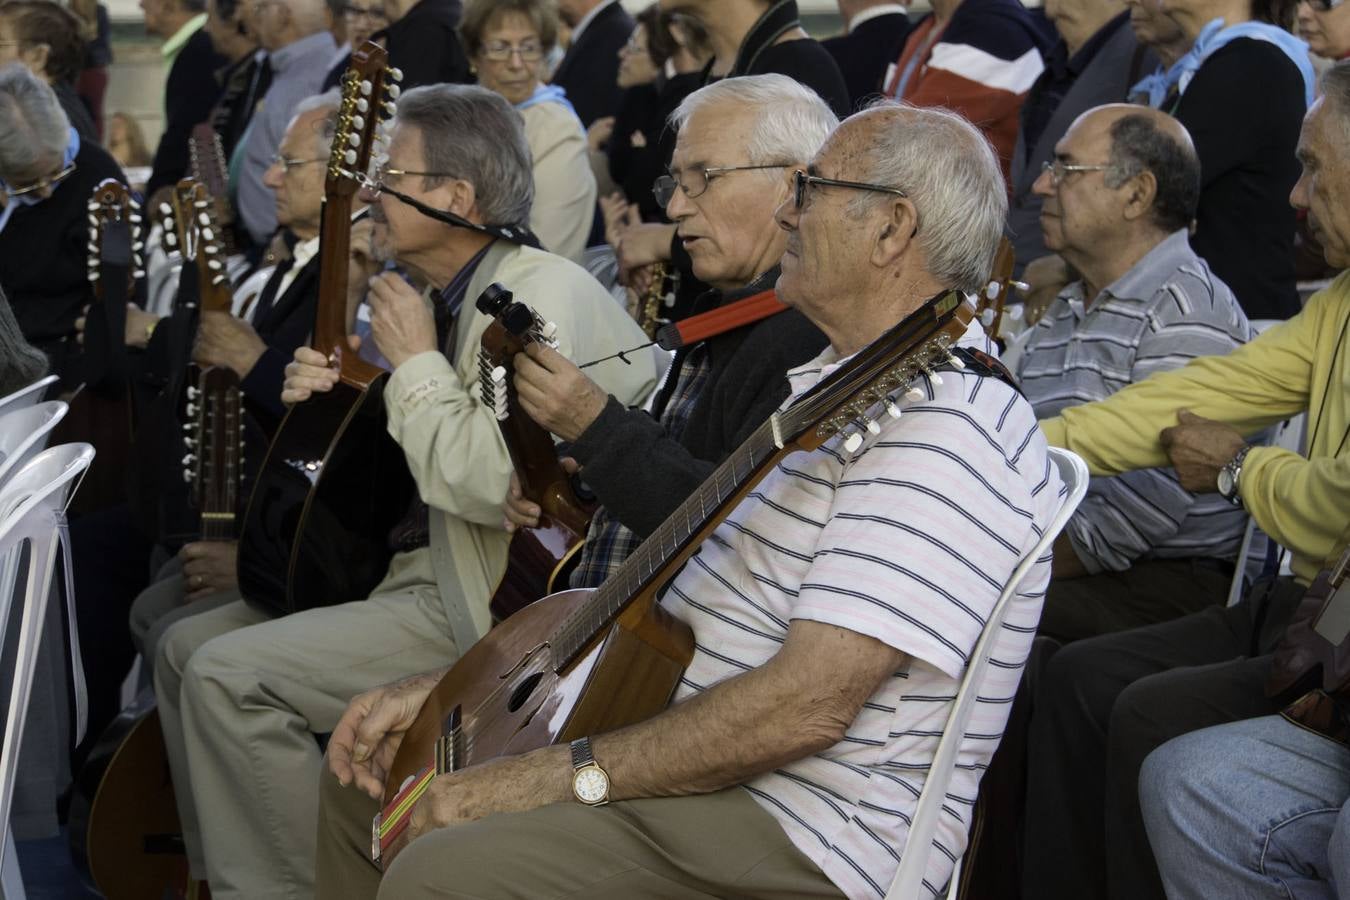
pixel 539 562
pixel 506 685
pixel 333 485
pixel 124 831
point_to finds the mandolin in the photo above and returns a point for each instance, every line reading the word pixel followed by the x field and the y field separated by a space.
pixel 334 483
pixel 540 558
pixel 588 661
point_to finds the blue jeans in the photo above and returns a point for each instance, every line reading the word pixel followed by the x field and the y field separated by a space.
pixel 1255 809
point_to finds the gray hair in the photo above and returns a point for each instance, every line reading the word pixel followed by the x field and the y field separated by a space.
pixel 32 124
pixel 948 169
pixel 476 135
pixel 1336 90
pixel 331 103
pixel 792 121
pixel 1138 145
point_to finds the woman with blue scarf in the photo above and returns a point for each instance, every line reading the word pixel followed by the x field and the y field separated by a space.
pixel 1241 91
pixel 507 40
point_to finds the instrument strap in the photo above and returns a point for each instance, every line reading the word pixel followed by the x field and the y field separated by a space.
pixel 977 362
pixel 719 321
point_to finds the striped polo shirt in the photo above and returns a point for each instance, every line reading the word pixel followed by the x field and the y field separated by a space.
pixel 1165 311
pixel 908 540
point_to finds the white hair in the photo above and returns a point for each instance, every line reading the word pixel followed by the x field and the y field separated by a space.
pixel 792 121
pixel 33 126
pixel 948 169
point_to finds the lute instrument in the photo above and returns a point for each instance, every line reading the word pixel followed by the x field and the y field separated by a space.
pixel 585 662
pixel 334 483
pixel 540 558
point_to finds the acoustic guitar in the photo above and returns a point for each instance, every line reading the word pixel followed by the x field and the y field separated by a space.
pixel 541 558
pixel 990 303
pixel 588 661
pixel 124 831
pixel 334 483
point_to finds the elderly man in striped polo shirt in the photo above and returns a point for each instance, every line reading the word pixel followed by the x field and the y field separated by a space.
pixel 1118 199
pixel 833 612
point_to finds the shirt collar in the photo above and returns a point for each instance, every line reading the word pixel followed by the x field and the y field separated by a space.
pixel 180 37
pixel 298 52
pixel 876 12
pixel 588 19
pixel 303 252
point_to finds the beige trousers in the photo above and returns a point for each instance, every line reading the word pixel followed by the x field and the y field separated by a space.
pixel 242 699
pixel 714 845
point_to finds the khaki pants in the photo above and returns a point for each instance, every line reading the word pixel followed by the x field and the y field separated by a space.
pixel 241 699
pixel 714 845
pixel 162 604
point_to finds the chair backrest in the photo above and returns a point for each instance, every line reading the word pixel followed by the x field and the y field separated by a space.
pixel 27 396
pixel 31 517
pixel 24 433
pixel 908 883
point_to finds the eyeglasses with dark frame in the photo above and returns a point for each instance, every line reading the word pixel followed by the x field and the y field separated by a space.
pixel 50 181
pixel 374 13
pixel 801 181
pixel 694 182
pixel 287 164
pixel 1058 169
pixel 500 51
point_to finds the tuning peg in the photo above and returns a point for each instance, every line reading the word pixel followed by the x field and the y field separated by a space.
pixel 93 206
pixel 892 409
pixel 200 204
pixel 165 209
pixel 93 221
pixel 208 234
pixel 93 276
pixel 190 442
pixel 549 332
pixel 365 88
pixel 393 91
pixel 354 140
pixel 956 362
pixel 192 393
pixel 187 476
pixel 171 239
pixel 934 377
pixel 188 426
pixel 396 73
pixel 133 203
pixel 873 428
pixel 390 108
pixel 217 281
pixel 853 441
pixel 203 219
pixel 358 122
pixel 93 247
pixel 138 273
pixel 362 104
pixel 191 410
pixel 135 219
pixel 138 246
pixel 1021 286
pixel 189 459
pixel 499 375
pixel 349 157
pixel 914 395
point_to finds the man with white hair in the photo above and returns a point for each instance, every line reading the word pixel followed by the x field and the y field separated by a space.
pixel 47 175
pixel 241 696
pixel 300 49
pixel 823 666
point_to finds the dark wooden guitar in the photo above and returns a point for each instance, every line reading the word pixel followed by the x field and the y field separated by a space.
pixel 588 661
pixel 124 828
pixel 334 483
pixel 542 557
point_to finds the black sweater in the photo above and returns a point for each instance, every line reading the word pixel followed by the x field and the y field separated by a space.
pixel 1244 109
pixel 640 474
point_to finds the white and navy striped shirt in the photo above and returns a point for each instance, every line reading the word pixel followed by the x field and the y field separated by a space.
pixel 1165 311
pixel 909 540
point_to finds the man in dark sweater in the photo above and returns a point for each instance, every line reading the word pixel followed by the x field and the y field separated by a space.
pixel 589 73
pixel 874 34
pixel 191 89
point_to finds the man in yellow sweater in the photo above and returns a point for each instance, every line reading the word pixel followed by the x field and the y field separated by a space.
pixel 1103 704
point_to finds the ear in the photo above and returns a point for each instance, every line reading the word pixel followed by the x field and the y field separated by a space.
pixel 35 57
pixel 894 232
pixel 1142 190
pixel 460 198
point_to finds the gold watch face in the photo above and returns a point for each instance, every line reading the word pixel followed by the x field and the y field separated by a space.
pixel 591 784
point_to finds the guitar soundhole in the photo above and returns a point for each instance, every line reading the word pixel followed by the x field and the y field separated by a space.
pixel 523 691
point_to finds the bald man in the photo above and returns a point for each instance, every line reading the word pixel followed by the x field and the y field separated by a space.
pixel 1117 201
pixel 300 50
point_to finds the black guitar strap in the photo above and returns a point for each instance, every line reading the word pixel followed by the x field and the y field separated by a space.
pixel 980 363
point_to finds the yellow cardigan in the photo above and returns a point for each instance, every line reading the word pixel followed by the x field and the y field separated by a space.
pixel 1302 365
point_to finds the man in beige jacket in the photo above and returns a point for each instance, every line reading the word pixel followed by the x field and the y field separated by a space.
pixel 241 698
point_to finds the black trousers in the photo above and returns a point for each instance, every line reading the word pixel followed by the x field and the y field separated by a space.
pixel 1101 705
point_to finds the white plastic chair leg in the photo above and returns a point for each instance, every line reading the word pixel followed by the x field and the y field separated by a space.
pixel 11 879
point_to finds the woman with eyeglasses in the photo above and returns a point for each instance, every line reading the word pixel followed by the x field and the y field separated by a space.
pixel 507 41
pixel 1241 91
pixel 1325 25
pixel 48 39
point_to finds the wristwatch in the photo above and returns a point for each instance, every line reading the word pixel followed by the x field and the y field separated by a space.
pixel 1229 476
pixel 590 783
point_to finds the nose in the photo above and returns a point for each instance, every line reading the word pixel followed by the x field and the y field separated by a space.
pixel 787 215
pixel 680 206
pixel 1044 185
pixel 1299 197
pixel 273 176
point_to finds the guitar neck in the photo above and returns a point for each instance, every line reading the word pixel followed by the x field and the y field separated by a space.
pixel 330 318
pixel 220 451
pixel 661 555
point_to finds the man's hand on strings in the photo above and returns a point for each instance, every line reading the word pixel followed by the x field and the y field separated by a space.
pixel 555 393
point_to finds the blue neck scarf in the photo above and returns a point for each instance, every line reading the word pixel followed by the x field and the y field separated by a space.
pixel 547 93
pixel 1214 36
pixel 13 203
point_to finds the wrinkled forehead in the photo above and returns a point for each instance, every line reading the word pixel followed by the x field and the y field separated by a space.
pixel 715 135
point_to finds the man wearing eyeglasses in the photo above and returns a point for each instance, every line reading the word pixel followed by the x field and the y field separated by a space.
pixel 831 613
pixel 46 177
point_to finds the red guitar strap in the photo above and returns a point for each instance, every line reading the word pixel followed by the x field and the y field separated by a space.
pixel 719 321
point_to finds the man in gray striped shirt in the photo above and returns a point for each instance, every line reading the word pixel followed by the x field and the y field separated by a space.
pixel 1118 200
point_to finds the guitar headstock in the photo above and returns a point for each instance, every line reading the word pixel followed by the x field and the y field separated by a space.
pixel 879 375
pixel 114 233
pixel 990 302
pixel 213 281
pixel 514 326
pixel 369 89
pixel 176 215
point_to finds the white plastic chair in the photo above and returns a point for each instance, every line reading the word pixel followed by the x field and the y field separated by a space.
pixel 27 396
pixel 24 433
pixel 908 883
pixel 32 513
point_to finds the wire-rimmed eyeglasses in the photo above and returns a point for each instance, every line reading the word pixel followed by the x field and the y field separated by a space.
pixel 694 182
pixel 1058 169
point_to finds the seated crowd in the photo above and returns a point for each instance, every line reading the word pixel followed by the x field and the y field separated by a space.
pixel 774 590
